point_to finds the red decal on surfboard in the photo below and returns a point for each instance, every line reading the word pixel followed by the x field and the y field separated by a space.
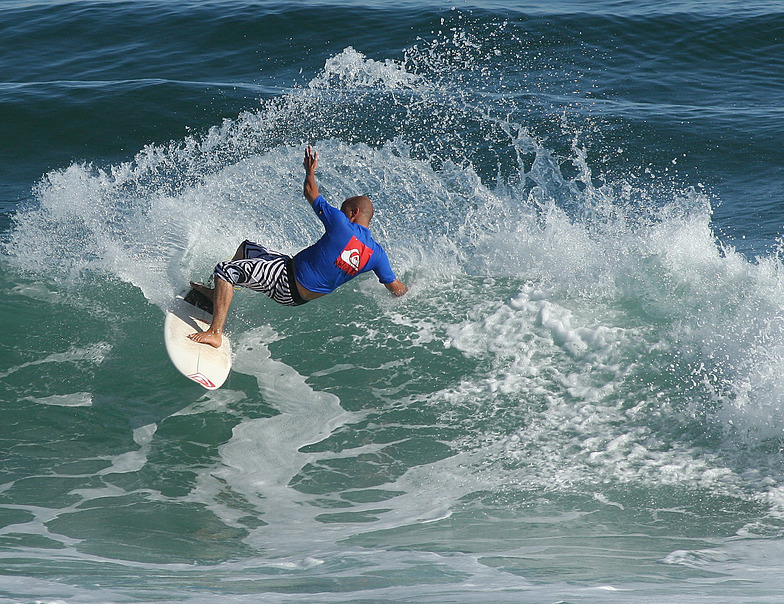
pixel 354 257
pixel 202 379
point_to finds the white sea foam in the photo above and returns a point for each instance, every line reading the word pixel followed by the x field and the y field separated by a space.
pixel 94 355
pixel 607 273
pixel 606 334
pixel 76 399
pixel 133 461
pixel 351 69
pixel 215 400
pixel 264 455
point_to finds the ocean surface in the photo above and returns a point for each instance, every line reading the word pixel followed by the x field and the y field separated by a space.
pixel 581 399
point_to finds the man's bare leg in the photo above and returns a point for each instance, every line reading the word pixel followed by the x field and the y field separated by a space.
pixel 208 291
pixel 223 294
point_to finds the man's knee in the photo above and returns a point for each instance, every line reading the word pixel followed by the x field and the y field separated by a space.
pixel 225 271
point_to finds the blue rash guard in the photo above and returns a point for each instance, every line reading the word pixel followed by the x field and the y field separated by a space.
pixel 343 252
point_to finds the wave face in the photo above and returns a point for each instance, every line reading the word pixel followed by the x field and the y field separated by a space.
pixel 587 367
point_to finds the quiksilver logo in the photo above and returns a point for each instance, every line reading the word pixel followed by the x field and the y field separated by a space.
pixel 354 257
pixel 351 257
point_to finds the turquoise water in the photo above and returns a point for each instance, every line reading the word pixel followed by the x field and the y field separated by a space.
pixel 579 400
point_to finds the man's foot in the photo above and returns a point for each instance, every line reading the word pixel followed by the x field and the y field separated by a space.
pixel 201 288
pixel 207 337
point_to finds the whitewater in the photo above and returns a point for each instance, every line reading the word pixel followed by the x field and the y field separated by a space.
pixel 578 399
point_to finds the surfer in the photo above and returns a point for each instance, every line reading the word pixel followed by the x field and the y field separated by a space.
pixel 346 250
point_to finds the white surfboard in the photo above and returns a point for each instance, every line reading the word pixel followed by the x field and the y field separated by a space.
pixel 204 364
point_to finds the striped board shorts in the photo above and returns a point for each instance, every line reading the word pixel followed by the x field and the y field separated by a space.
pixel 263 270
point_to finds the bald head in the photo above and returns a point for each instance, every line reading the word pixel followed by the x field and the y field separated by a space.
pixel 358 209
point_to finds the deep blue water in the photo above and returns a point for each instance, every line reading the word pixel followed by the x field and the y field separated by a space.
pixel 580 398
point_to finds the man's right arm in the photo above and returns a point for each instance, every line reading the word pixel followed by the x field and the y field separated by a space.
pixel 310 189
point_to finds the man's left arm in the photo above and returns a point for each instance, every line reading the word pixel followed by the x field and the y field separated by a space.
pixel 396 287
pixel 385 274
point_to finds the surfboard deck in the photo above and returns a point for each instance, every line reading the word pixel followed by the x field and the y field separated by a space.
pixel 204 364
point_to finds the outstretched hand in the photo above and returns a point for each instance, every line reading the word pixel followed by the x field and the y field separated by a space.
pixel 310 190
pixel 311 159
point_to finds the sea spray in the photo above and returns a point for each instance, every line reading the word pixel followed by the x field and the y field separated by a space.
pixel 581 372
